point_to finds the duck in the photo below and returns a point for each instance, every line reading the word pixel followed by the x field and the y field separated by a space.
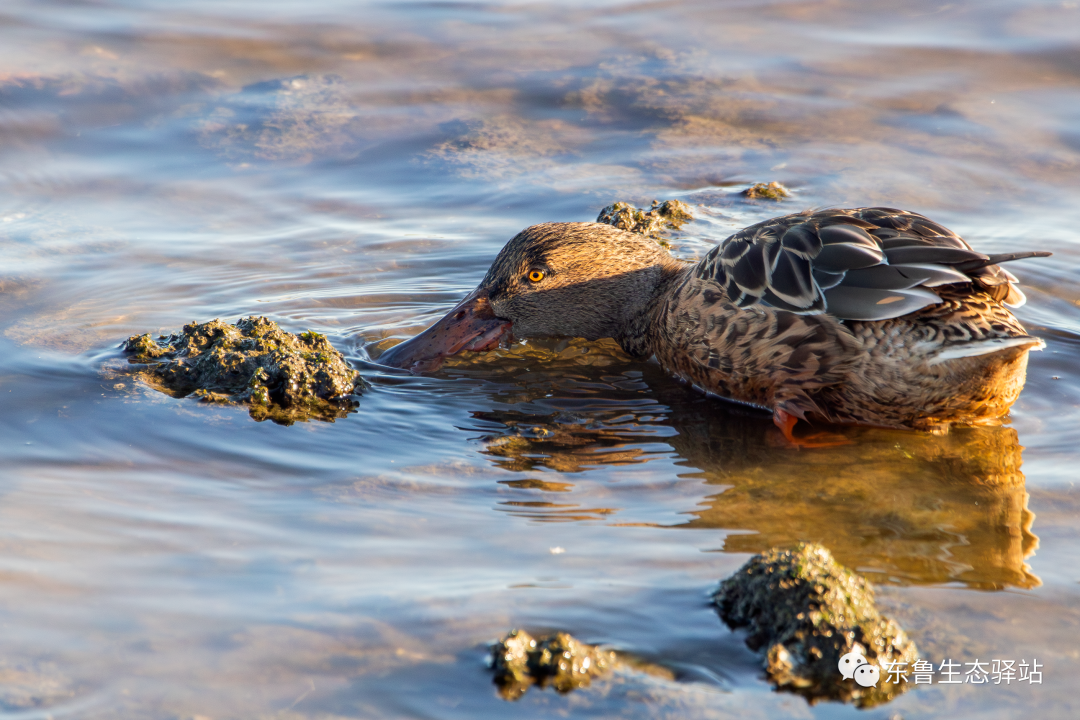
pixel 863 316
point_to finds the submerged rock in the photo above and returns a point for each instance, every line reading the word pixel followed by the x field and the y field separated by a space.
pixel 672 214
pixel 281 376
pixel 767 191
pixel 35 684
pixel 806 612
pixel 296 119
pixel 558 660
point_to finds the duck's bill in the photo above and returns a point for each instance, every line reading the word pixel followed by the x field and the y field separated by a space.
pixel 471 325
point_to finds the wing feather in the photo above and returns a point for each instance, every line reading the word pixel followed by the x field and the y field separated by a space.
pixel 887 277
pixel 840 257
pixel 856 303
pixel 750 272
pixel 792 280
pixel 931 254
pixel 826 280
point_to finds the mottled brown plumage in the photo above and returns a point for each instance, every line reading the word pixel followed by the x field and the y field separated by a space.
pixel 871 316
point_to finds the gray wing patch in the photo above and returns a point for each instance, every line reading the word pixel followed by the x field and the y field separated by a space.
pixel 858 303
pixel 862 264
pixel 889 277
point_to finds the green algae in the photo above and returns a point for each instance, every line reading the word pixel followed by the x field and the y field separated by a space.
pixel 144 347
pixel 558 661
pixel 668 215
pixel 806 611
pixel 767 191
pixel 280 376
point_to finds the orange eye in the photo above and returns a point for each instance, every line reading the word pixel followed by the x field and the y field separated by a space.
pixel 536 275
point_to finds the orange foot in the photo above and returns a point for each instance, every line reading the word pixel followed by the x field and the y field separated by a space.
pixel 786 422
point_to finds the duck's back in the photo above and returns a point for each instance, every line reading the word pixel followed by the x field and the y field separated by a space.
pixel 867 315
pixel 859 264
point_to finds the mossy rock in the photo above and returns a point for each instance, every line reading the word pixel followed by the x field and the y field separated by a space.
pixel 805 611
pixel 669 215
pixel 558 661
pixel 767 191
pixel 280 376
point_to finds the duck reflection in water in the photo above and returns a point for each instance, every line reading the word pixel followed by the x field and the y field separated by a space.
pixel 901 507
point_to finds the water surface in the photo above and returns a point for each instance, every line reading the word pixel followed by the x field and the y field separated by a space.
pixel 352 168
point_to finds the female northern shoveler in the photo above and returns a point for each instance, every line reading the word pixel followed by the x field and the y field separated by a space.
pixel 871 316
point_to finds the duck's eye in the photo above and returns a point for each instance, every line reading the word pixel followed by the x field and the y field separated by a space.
pixel 536 275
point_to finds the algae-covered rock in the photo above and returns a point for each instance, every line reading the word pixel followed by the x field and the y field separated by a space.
pixel 672 214
pixel 806 611
pixel 558 660
pixel 767 191
pixel 281 376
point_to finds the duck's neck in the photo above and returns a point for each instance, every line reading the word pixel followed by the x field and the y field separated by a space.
pixel 638 332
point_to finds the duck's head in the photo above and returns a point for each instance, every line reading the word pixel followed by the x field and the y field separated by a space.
pixel 585 280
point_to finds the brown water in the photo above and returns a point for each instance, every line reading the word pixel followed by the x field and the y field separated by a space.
pixel 352 168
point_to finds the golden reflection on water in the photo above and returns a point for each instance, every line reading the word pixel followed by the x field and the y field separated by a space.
pixel 352 170
pixel 900 507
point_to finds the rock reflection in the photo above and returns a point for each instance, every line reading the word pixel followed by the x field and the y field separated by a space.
pixel 900 507
pixel 566 442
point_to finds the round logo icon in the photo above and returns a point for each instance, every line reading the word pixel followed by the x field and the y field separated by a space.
pixel 849 663
pixel 867 675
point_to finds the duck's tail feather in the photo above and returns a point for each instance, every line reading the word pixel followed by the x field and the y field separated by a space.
pixel 998 259
pixel 986 346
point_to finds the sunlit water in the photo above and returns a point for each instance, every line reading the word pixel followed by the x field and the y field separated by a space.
pixel 352 168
